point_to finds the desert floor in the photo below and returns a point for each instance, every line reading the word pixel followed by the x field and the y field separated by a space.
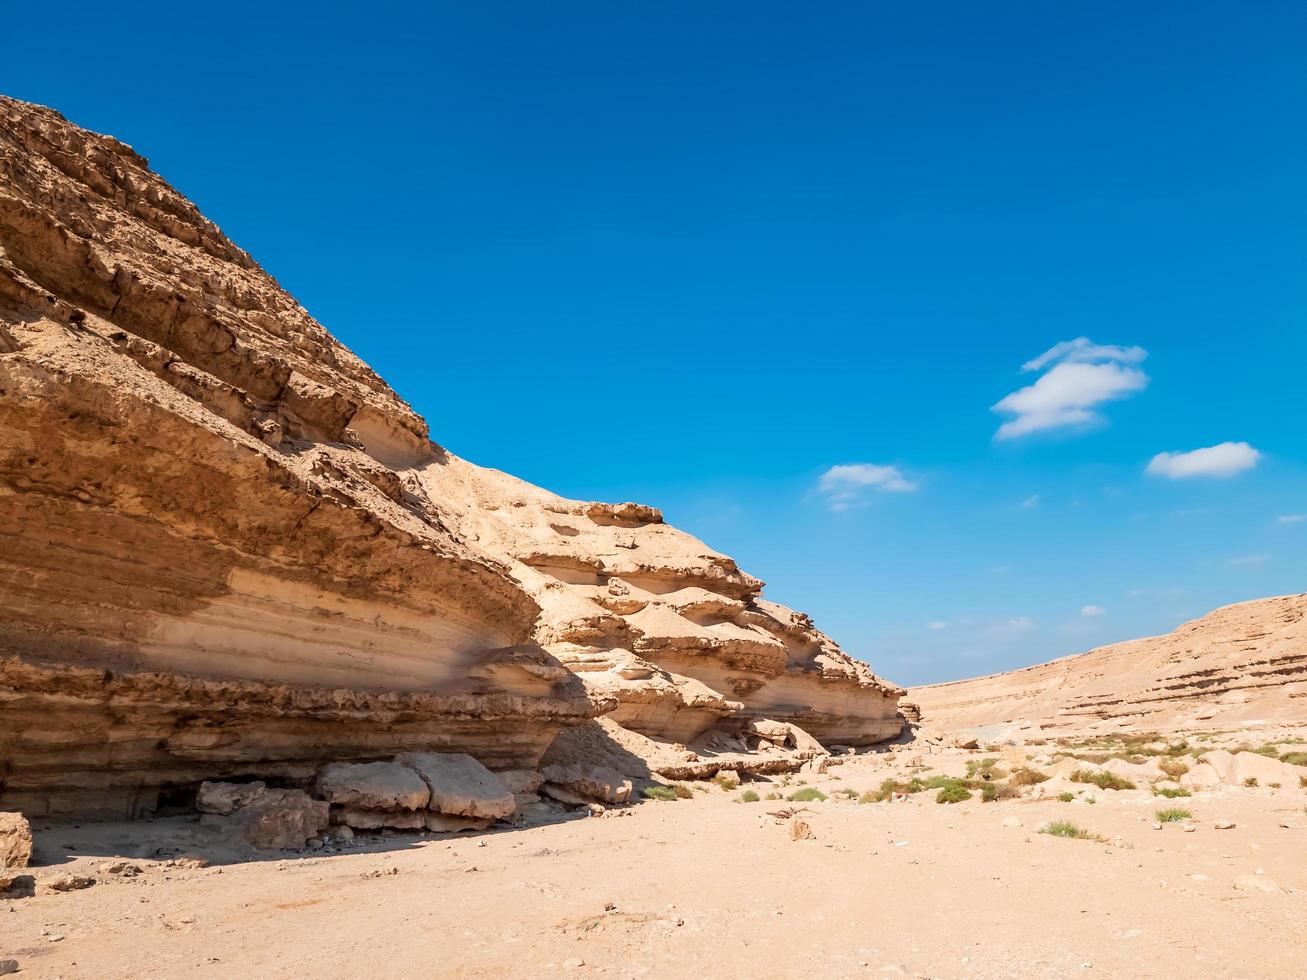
pixel 707 887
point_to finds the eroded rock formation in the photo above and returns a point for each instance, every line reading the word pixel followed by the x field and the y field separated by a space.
pixel 228 549
pixel 1238 664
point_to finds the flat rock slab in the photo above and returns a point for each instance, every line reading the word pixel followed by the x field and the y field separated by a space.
pixel 374 786
pixel 459 785
pixel 594 783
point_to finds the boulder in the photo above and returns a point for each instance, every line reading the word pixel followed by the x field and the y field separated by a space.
pixel 15 846
pixel 227 798
pixel 521 780
pixel 459 785
pixel 593 783
pixel 1236 768
pixel 280 819
pixel 373 786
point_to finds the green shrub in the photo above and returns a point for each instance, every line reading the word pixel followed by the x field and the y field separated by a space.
pixel 1065 828
pixel 808 794
pixel 1102 779
pixel 955 793
pixel 1295 758
pixel 664 794
pixel 727 780
pixel 748 796
pixel 1170 793
pixel 1173 815
pixel 682 791
pixel 1066 797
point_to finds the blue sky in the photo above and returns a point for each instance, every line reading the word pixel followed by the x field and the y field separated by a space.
pixel 697 255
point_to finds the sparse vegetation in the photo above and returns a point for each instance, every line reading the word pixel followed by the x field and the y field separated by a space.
pixel 1066 797
pixel 1173 815
pixel 984 769
pixel 1025 776
pixel 1173 768
pixel 1102 779
pixel 852 794
pixel 727 780
pixel 808 794
pixel 749 796
pixel 1065 828
pixel 1250 782
pixel 774 796
pixel 1295 758
pixel 1170 792
pixel 663 794
pixel 682 791
pixel 992 792
pixel 955 792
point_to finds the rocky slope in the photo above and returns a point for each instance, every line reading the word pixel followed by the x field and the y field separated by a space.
pixel 1238 665
pixel 227 548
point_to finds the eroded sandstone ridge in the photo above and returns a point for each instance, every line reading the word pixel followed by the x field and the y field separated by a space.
pixel 229 549
pixel 1237 665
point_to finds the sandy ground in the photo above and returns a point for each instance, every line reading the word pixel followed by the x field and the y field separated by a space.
pixel 706 887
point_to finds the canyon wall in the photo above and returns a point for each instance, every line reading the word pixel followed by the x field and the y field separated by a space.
pixel 228 548
pixel 1238 665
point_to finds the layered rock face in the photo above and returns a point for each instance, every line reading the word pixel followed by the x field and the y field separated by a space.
pixel 653 617
pixel 227 548
pixel 1239 664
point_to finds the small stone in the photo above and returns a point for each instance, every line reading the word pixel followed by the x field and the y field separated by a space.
pixel 1224 825
pixel 1157 825
pixel 7 967
pixel 70 883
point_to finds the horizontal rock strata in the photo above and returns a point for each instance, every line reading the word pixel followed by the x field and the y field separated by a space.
pixel 1239 664
pixel 228 549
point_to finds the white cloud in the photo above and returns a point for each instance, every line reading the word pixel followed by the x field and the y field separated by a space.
pixel 1030 502
pixel 937 624
pixel 1080 376
pixel 1222 460
pixel 1092 610
pixel 845 485
pixel 1291 519
pixel 1084 349
pixel 1250 559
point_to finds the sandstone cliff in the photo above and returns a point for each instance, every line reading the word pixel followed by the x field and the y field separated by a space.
pixel 228 548
pixel 1237 665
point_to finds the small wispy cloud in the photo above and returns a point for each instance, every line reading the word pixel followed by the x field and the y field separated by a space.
pixel 1291 519
pixel 1030 502
pixel 1250 559
pixel 1016 626
pixel 1090 611
pixel 1080 376
pixel 847 484
pixel 937 624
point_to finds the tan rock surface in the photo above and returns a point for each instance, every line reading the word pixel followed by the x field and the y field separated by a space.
pixel 1239 665
pixel 229 550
